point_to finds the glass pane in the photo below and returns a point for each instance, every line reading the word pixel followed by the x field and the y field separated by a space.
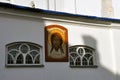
pixel 74 55
pixel 19 59
pixel 37 60
pixel 14 53
pixel 10 60
pixel 24 49
pixel 87 56
pixel 15 46
pixel 28 59
pixel 80 51
pixel 33 47
pixel 84 62
pixel 78 61
pixel 72 50
pixel 88 51
pixel 34 53
pixel 71 61
pixel 91 61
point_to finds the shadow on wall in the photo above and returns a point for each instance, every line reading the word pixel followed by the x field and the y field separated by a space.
pixel 30 32
pixel 102 73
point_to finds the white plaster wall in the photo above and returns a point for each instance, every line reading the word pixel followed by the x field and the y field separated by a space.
pixel 62 5
pixel 116 7
pixel 6 1
pixel 83 7
pixel 116 39
pixel 69 6
pixel 88 7
pixel 42 4
pixel 15 28
pixel 98 38
pixel 51 4
pixel 22 2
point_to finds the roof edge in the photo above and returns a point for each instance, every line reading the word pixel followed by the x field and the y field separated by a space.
pixel 24 8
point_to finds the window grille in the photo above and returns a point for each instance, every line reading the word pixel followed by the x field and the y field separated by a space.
pixel 23 54
pixel 82 56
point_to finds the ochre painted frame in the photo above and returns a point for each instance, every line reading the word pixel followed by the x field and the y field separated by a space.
pixel 56 43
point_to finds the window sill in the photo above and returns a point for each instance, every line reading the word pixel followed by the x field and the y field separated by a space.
pixel 95 66
pixel 17 65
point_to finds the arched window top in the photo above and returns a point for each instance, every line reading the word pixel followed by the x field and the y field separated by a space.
pixel 23 53
pixel 23 42
pixel 82 46
pixel 85 54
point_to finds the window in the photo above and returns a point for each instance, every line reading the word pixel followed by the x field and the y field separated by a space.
pixel 23 54
pixel 82 56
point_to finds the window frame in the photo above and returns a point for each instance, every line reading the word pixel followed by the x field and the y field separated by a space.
pixel 81 62
pixel 40 64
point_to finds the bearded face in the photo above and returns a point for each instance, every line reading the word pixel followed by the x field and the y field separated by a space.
pixel 56 41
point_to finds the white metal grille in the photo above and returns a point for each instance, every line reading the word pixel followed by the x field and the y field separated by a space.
pixel 23 53
pixel 82 56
